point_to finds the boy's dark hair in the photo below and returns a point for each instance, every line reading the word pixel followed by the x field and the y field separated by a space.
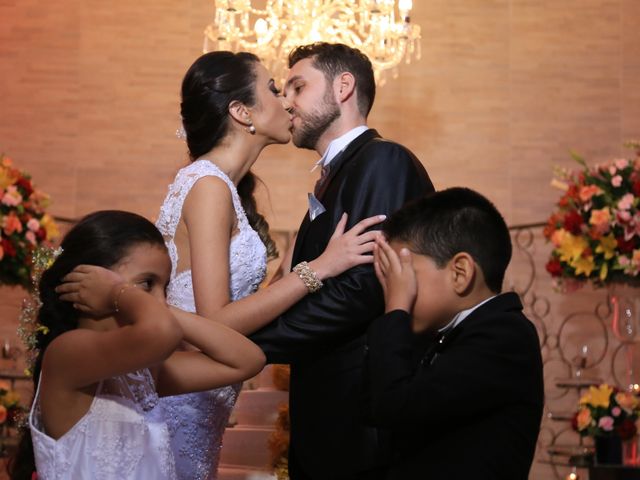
pixel 335 58
pixel 451 221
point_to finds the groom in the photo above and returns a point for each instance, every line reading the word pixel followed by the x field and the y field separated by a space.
pixel 330 91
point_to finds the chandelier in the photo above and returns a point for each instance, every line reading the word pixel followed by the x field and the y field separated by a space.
pixel 372 26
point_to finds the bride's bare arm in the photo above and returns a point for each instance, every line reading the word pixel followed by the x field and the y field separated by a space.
pixel 208 212
pixel 210 219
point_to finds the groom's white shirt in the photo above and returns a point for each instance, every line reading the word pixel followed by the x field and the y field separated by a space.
pixel 339 144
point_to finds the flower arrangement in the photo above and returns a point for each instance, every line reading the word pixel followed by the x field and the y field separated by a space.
pixel 607 411
pixel 279 439
pixel 11 410
pixel 595 229
pixel 24 225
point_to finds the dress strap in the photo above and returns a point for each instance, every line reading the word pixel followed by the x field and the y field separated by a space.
pixel 171 210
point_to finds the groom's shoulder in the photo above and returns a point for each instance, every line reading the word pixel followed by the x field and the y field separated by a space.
pixel 380 153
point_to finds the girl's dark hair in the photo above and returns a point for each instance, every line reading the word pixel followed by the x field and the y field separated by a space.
pixel 103 239
pixel 211 84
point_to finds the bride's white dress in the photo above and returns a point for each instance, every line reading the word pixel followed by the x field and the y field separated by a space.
pixel 197 421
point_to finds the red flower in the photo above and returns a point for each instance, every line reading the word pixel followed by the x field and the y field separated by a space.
pixel 572 222
pixel 627 429
pixel 554 267
pixel 636 188
pixel 25 186
pixel 625 246
pixel 41 234
pixel 9 249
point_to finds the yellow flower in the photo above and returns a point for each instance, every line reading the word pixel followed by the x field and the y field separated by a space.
pixel 583 419
pixel 597 396
pixel 604 271
pixel 50 226
pixel 583 265
pixel 607 246
pixel 11 399
pixel 571 247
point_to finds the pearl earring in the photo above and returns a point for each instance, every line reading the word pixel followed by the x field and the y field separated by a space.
pixel 251 129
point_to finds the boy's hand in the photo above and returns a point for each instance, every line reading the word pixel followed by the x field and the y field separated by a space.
pixel 396 275
pixel 91 289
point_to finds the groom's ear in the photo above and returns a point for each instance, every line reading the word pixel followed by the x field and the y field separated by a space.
pixel 344 86
pixel 240 113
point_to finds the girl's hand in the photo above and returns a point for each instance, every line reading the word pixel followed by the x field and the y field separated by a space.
pixel 92 289
pixel 396 275
pixel 346 250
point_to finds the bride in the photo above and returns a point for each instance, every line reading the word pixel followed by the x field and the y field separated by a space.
pixel 219 243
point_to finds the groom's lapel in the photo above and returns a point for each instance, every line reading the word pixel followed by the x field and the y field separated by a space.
pixel 347 154
pixel 336 165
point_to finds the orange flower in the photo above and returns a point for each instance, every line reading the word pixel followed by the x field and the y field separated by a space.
pixel 3 414
pixel 628 401
pixel 601 219
pixel 11 223
pixel 589 191
pixel 583 419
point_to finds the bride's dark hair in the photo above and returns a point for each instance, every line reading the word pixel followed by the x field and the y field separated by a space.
pixel 103 239
pixel 211 84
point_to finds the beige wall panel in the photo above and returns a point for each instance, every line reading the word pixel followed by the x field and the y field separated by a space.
pixel 89 105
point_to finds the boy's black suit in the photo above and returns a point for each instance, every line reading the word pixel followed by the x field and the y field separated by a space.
pixel 323 337
pixel 472 407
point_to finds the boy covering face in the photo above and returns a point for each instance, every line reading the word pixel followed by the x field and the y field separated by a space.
pixel 471 405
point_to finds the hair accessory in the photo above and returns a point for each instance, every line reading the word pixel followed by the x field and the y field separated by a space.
pixel 251 129
pixel 181 133
pixel 308 277
pixel 116 299
pixel 29 328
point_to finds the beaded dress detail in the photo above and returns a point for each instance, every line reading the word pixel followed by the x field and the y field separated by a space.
pixel 123 436
pixel 197 420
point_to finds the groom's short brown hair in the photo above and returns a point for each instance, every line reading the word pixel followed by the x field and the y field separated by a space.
pixel 335 58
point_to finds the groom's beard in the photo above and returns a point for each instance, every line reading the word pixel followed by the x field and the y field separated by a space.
pixel 314 124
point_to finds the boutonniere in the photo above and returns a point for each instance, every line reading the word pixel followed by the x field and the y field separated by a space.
pixel 315 207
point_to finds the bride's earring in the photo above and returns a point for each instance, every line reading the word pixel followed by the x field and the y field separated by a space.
pixel 251 129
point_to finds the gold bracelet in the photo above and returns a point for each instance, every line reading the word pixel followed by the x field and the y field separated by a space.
pixel 116 299
pixel 308 277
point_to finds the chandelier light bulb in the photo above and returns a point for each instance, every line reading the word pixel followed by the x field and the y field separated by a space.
pixel 405 6
pixel 261 27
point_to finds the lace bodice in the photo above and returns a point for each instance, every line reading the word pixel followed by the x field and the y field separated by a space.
pixel 247 253
pixel 197 421
pixel 122 436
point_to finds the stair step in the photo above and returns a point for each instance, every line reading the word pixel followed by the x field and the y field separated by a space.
pixel 246 447
pixel 235 473
pixel 259 407
pixel 263 380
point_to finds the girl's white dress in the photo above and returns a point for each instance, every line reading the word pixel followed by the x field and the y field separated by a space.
pixel 123 436
pixel 197 420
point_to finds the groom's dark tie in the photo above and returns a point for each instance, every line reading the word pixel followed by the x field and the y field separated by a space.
pixel 319 188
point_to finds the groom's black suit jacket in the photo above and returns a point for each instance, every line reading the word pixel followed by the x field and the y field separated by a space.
pixel 323 336
pixel 472 407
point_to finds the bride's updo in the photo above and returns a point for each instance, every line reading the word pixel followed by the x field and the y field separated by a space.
pixel 211 84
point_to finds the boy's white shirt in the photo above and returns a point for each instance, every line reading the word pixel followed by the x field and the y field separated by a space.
pixel 460 316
